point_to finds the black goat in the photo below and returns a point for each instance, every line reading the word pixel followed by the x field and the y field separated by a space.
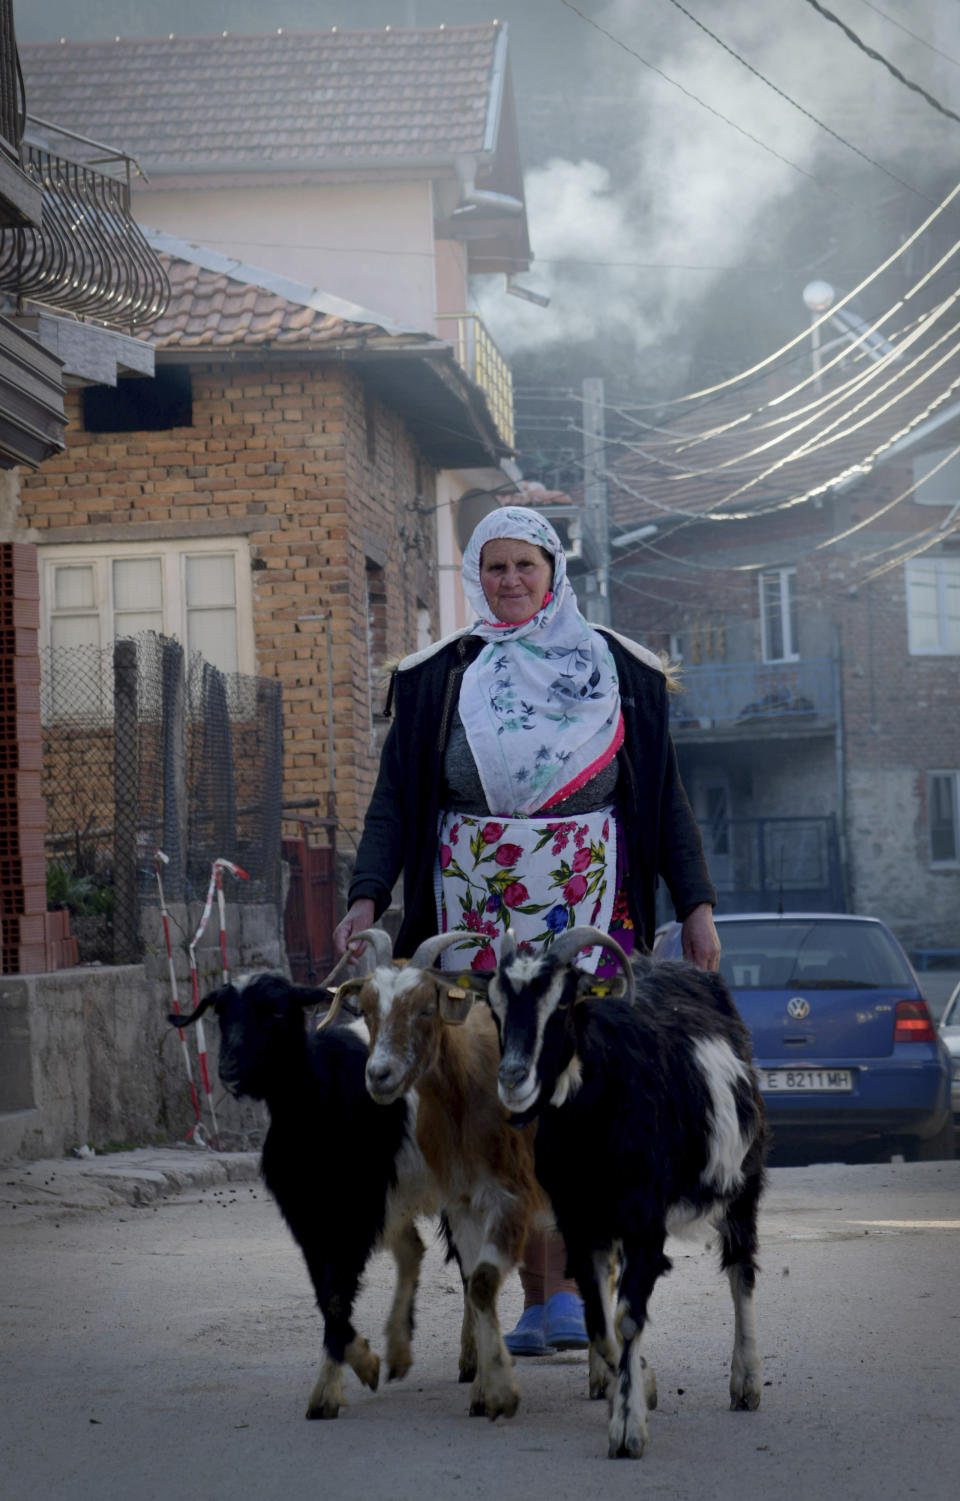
pixel 648 1117
pixel 346 1173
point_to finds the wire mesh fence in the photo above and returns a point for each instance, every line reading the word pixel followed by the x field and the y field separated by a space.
pixel 144 751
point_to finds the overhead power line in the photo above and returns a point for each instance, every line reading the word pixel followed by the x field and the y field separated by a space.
pixel 825 317
pixel 688 92
pixel 900 27
pixel 792 102
pixel 878 57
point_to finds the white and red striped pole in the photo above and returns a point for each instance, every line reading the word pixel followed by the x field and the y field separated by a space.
pixel 219 866
pixel 196 1129
pixel 216 884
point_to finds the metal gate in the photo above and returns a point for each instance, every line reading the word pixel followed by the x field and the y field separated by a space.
pixel 770 865
pixel 310 914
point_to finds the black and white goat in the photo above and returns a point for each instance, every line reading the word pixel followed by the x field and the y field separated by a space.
pixel 346 1174
pixel 426 1036
pixel 648 1116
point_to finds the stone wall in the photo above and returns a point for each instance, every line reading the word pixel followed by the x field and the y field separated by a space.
pixel 87 1056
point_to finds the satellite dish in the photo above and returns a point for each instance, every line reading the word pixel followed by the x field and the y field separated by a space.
pixel 818 296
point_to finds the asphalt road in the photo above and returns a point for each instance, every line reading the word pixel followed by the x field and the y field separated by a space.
pixel 168 1350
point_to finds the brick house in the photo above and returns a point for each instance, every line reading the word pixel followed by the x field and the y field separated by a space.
pixel 379 166
pixel 797 551
pixel 270 499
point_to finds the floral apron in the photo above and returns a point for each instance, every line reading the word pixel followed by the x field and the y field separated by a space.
pixel 488 867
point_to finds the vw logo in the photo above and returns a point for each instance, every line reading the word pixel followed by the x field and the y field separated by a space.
pixel 798 1008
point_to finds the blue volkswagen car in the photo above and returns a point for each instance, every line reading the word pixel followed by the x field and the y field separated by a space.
pixel 847 1052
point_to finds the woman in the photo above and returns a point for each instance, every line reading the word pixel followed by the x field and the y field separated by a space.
pixel 529 781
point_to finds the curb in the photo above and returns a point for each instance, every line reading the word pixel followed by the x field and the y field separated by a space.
pixel 55 1188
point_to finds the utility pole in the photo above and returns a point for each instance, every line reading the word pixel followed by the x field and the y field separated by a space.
pixel 596 529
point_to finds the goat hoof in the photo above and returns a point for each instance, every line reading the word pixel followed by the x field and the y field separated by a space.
pixel 631 1448
pixel 746 1384
pixel 628 1435
pixel 364 1362
pixel 399 1365
pixel 325 1408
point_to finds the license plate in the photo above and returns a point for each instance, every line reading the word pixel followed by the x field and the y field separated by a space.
pixel 806 1080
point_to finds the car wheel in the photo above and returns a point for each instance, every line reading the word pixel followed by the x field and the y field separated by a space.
pixel 931 1148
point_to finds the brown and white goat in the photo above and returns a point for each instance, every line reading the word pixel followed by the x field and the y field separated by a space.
pixel 426 1037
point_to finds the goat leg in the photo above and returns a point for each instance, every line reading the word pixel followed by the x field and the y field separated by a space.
pixel 408 1250
pixel 597 1277
pixel 627 1434
pixel 746 1374
pixel 336 1289
pixel 738 1239
pixel 494 1393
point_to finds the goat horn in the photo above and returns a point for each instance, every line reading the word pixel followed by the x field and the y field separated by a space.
pixel 347 988
pixel 431 948
pixel 508 946
pixel 569 943
pixel 379 941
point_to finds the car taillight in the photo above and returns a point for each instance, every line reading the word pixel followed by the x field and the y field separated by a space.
pixel 913 1023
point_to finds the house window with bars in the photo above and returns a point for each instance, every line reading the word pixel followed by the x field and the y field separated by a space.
pixel 778 614
pixel 944 813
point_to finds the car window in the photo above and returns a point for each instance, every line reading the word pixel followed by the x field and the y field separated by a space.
pixel 951 1015
pixel 812 954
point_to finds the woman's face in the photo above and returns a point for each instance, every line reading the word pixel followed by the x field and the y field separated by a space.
pixel 515 577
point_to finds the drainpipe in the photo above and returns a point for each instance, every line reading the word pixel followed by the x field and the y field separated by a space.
pixel 840 751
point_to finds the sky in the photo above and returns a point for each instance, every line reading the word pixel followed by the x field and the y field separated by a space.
pixel 679 196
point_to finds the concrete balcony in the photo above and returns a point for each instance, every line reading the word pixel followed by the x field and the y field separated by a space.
pixel 478 355
pixel 769 699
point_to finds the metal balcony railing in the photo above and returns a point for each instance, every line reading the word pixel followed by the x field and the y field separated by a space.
pixel 89 257
pixel 752 693
pixel 478 355
pixel 12 113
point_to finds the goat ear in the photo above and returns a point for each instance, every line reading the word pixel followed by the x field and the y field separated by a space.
pixel 469 979
pixel 177 1018
pixel 590 988
pixel 455 1001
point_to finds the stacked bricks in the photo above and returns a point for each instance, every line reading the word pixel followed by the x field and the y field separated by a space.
pixel 31 939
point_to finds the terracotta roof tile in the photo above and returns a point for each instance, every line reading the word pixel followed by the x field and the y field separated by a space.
pixel 209 310
pixel 191 102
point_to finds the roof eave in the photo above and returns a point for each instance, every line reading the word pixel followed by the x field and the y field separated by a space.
pixel 447 413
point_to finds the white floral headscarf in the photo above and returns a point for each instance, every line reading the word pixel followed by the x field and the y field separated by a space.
pixel 541 703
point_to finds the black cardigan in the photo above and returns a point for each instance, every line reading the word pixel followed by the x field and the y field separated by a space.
pixel 400 830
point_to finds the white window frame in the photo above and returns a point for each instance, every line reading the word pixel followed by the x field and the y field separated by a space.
pixel 173 556
pixel 946 575
pixel 943 486
pixel 788 601
pixel 952 778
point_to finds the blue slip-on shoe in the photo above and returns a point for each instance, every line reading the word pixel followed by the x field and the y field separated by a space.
pixel 563 1326
pixel 527 1338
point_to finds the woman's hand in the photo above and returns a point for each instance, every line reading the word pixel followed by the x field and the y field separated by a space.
pixel 698 935
pixel 360 915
